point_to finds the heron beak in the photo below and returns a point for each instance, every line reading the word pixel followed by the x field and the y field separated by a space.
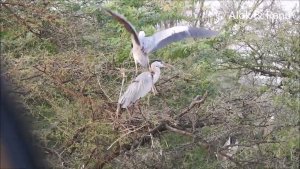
pixel 169 66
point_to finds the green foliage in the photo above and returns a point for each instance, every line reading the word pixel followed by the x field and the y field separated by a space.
pixel 65 59
pixel 198 158
pixel 172 140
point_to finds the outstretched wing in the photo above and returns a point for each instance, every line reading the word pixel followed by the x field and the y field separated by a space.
pixel 163 38
pixel 137 89
pixel 128 26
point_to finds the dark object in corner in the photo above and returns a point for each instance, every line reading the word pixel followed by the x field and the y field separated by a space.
pixel 17 150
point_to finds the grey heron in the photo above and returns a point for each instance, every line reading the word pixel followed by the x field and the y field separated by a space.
pixel 230 148
pixel 233 149
pixel 141 85
pixel 143 45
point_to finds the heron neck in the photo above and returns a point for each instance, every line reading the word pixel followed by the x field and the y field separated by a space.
pixel 156 73
pixel 134 43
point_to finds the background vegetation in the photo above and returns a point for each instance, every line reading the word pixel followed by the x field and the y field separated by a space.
pixel 63 59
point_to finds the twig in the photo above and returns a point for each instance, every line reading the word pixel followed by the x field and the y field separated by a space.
pixel 195 102
pixel 123 80
pixel 58 81
pixel 179 131
pixel 55 153
pixel 21 20
pixel 146 137
pixel 249 145
pixel 167 80
pixel 124 136
pixel 75 137
pixel 92 153
pixel 230 158
pixel 135 143
pixel 103 90
pixel 13 4
pixel 31 77
pixel 84 83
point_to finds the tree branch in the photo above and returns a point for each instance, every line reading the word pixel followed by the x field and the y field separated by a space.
pixel 197 101
pixel 21 20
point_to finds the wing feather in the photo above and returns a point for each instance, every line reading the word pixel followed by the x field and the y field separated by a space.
pixel 163 38
pixel 128 96
pixel 128 26
pixel 136 90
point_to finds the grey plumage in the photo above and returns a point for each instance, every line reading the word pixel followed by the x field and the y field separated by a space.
pixel 142 46
pixel 163 38
pixel 128 26
pixel 232 149
pixel 141 85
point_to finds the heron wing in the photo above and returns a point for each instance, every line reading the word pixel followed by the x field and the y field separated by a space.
pixel 137 89
pixel 227 143
pixel 163 38
pixel 145 84
pixel 128 26
pixel 128 96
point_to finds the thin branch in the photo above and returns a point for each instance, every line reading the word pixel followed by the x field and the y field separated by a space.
pixel 230 158
pixel 91 155
pixel 167 80
pixel 21 20
pixel 103 91
pixel 124 135
pixel 134 144
pixel 195 102
pixel 179 131
pixel 249 145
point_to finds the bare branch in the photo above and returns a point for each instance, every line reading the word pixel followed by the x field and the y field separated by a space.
pixel 197 101
pixel 21 20
pixel 179 131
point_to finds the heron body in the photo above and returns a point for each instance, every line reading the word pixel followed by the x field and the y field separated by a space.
pixel 233 149
pixel 141 85
pixel 139 55
pixel 142 46
pixel 229 150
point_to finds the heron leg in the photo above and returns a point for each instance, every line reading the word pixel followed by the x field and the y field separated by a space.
pixel 118 111
pixel 128 112
pixel 136 68
pixel 148 64
pixel 154 90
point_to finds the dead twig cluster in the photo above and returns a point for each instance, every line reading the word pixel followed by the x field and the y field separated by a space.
pixel 141 131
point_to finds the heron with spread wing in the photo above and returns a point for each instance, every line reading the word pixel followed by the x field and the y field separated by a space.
pixel 142 46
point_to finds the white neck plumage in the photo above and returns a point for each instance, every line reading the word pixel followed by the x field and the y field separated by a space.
pixel 156 73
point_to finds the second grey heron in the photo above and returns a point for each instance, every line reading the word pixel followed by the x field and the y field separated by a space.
pixel 142 46
pixel 230 148
pixel 141 85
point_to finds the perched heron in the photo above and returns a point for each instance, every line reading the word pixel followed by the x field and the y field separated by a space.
pixel 142 85
pixel 233 149
pixel 142 46
pixel 230 148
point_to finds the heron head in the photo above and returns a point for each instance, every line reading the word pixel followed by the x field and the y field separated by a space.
pixel 158 63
